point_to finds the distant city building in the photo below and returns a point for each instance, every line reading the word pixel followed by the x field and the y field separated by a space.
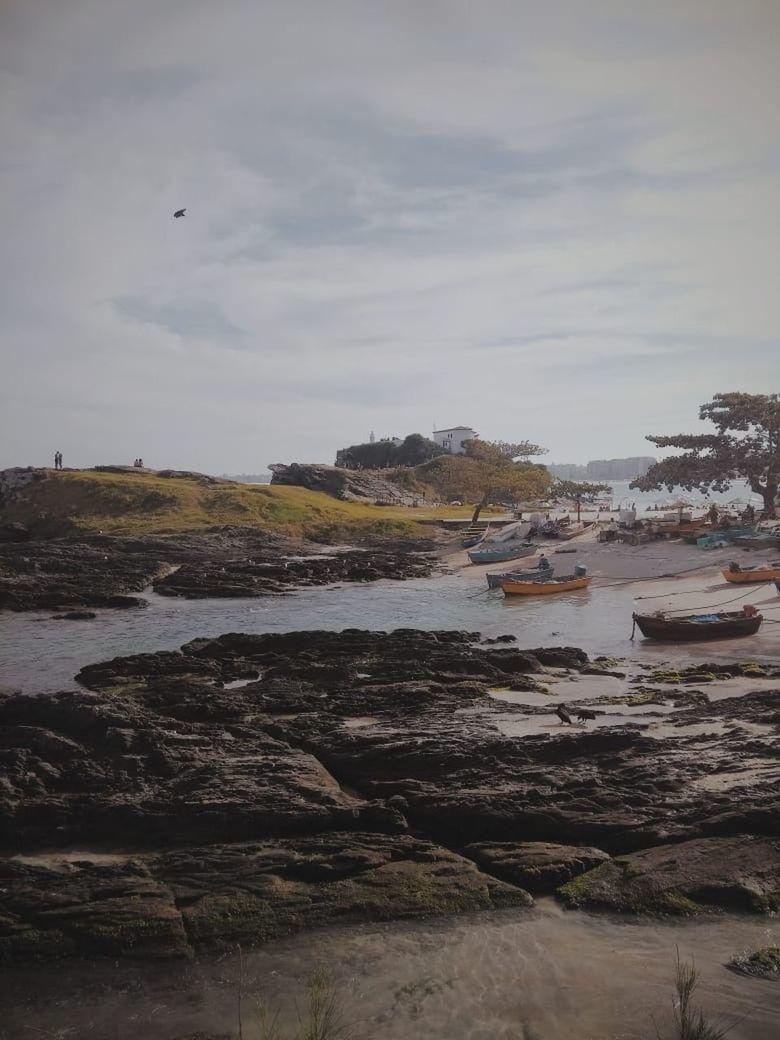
pixel 453 439
pixel 603 469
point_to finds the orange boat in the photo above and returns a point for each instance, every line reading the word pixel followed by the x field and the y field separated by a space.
pixel 545 588
pixel 745 575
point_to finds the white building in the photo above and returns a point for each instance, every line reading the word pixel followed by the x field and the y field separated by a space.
pixel 452 439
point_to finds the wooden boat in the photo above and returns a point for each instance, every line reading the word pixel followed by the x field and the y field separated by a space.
pixel 495 578
pixel 693 628
pixel 474 534
pixel 746 575
pixel 502 551
pixel 470 540
pixel 566 533
pixel 540 587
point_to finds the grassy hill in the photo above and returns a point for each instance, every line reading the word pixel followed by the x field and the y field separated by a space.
pixel 71 502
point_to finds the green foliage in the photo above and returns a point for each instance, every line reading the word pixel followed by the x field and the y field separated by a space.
pixel 75 502
pixel 413 451
pixel 502 452
pixel 471 479
pixel 746 446
pixel 578 491
pixel 417 449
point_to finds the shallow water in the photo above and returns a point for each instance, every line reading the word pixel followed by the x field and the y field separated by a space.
pixel 41 655
pixel 543 974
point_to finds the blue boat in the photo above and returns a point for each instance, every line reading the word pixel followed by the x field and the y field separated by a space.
pixel 500 552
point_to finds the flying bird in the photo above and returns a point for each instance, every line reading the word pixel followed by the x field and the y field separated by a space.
pixel 563 714
pixel 179 213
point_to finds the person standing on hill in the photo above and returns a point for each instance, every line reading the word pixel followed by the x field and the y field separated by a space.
pixel 58 460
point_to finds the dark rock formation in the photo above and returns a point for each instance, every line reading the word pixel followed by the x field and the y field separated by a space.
pixel 250 578
pixel 98 570
pixel 14 532
pixel 738 874
pixel 171 904
pixel 539 867
pixel 758 964
pixel 258 783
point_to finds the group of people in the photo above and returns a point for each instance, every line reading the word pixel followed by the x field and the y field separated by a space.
pixel 138 463
pixel 58 460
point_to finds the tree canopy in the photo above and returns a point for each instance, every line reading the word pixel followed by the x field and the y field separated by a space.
pixel 746 445
pixel 413 451
pixel 578 491
pixel 500 469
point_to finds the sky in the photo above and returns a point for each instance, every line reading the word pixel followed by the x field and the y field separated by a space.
pixel 549 221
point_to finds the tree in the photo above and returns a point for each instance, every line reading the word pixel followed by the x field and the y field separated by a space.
pixel 373 455
pixel 416 450
pixel 578 490
pixel 499 467
pixel 746 446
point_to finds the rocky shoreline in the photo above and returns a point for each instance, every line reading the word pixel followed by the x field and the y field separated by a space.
pixel 251 786
pixel 105 571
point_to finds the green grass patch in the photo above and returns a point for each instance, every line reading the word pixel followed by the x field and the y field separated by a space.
pixel 133 503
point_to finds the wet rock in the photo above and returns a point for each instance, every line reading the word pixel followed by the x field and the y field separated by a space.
pixel 737 874
pixel 758 964
pixel 80 767
pixel 52 907
pixel 538 867
pixel 100 570
pixel 234 893
pixel 216 895
pixel 75 615
pixel 252 578
pixel 312 773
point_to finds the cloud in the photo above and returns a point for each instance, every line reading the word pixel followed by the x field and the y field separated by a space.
pixel 546 221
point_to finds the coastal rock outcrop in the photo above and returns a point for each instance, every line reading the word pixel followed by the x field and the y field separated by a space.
pixel 100 570
pixel 345 484
pixel 188 899
pixel 539 867
pixel 739 874
pixel 296 778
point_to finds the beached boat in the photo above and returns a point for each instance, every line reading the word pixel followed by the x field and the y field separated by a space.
pixel 469 540
pixel 495 578
pixel 745 575
pixel 540 587
pixel 571 531
pixel 492 552
pixel 692 628
pixel 474 534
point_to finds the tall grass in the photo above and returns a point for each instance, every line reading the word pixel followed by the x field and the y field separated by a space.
pixel 321 1018
pixel 689 1020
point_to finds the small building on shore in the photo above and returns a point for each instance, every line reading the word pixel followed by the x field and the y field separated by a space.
pixel 453 438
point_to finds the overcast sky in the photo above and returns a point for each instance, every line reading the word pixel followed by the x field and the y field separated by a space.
pixel 549 220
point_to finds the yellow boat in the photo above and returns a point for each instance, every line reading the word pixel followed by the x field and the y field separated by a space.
pixel 545 588
pixel 745 575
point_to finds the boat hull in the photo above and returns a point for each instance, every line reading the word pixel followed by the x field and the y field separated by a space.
pixel 472 540
pixel 688 630
pixel 544 588
pixel 503 554
pixel 754 575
